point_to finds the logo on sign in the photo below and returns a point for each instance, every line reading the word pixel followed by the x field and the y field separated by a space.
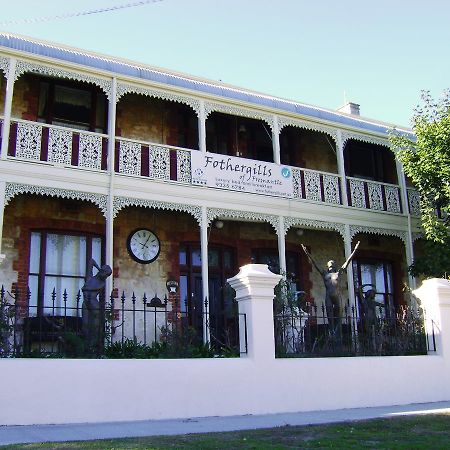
pixel 285 172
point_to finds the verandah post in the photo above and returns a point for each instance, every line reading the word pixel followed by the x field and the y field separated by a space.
pixel 254 286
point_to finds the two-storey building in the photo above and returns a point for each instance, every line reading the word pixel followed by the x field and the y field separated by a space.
pixel 167 177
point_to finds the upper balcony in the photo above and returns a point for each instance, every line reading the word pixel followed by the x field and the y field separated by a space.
pixel 65 123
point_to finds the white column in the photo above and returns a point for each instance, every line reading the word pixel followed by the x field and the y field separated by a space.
pixel 2 210
pixel 348 251
pixel 276 141
pixel 202 127
pixel 254 286
pixel 111 157
pixel 282 246
pixel 8 105
pixel 405 205
pixel 205 274
pixel 341 167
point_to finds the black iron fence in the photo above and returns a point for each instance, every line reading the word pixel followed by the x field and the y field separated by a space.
pixel 308 332
pixel 125 327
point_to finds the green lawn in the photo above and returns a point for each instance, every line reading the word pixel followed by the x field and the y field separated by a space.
pixel 408 433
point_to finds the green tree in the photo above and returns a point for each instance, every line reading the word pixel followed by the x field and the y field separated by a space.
pixel 426 161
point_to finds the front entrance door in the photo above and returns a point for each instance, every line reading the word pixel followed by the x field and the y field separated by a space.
pixel 222 312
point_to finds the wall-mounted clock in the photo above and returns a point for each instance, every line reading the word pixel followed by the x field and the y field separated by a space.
pixel 143 245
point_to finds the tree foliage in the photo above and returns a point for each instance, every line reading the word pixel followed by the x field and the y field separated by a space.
pixel 426 161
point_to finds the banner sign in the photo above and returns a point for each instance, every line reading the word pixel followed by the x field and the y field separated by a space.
pixel 240 174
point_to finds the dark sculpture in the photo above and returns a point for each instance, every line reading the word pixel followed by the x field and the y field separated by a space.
pixel 368 306
pixel 330 277
pixel 92 318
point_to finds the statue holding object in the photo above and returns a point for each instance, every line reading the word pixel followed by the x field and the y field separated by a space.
pixel 330 277
pixel 92 311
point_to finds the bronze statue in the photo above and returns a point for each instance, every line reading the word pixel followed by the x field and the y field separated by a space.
pixel 92 323
pixel 330 277
pixel 368 306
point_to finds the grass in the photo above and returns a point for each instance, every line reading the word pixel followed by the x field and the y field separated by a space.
pixel 397 433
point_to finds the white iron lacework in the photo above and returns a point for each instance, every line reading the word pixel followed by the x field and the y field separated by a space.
pixel 122 202
pixel 357 195
pixel 375 196
pixel 313 224
pixel 392 199
pixel 59 146
pixel 414 202
pixel 159 159
pixel 28 143
pixel 312 186
pixel 90 151
pixel 354 230
pixel 25 66
pixel 286 121
pixel 346 135
pixel 331 189
pixel 4 65
pixel 123 89
pixel 129 158
pixel 236 111
pixel 214 213
pixel 184 166
pixel 13 189
pixel 415 236
pixel 297 181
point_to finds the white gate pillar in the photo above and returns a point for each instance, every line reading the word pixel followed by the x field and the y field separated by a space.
pixel 254 286
pixel 435 298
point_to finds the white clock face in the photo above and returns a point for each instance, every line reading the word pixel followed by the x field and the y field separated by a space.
pixel 143 246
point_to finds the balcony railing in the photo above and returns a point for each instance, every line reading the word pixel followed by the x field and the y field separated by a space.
pixel 317 186
pixel 413 201
pixel 35 141
pixel 374 195
pixel 156 161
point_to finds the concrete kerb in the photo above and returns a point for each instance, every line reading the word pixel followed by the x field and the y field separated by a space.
pixel 82 432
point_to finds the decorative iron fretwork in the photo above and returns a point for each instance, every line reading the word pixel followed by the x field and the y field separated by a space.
pixel 4 65
pixel 375 196
pixel 313 224
pixel 184 166
pixel 90 151
pixel 237 111
pixel 392 195
pixel 357 194
pixel 331 189
pixel 312 186
pixel 414 202
pixel 415 236
pixel 286 121
pixel 129 158
pixel 13 189
pixel 346 135
pixel 59 146
pixel 297 181
pixel 214 213
pixel 159 162
pixel 356 229
pixel 123 89
pixel 26 66
pixel 28 144
pixel 122 202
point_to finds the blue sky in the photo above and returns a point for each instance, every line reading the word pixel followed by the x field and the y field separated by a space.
pixel 379 54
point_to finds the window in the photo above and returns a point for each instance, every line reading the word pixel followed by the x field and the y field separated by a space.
pixel 378 274
pixel 370 162
pixel 80 107
pixel 58 264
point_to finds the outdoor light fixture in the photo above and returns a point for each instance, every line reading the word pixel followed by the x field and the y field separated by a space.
pixel 218 224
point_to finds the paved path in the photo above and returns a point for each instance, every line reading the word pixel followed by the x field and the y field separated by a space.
pixel 77 432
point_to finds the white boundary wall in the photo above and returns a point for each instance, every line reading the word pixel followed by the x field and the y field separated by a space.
pixel 43 391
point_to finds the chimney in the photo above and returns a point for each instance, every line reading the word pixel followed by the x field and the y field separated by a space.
pixel 350 108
